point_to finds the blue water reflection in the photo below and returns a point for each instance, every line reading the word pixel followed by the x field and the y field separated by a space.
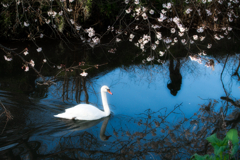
pixel 138 92
pixel 139 88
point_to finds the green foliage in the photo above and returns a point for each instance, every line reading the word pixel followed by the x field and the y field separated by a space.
pixel 108 10
pixel 60 21
pixel 222 148
pixel 86 7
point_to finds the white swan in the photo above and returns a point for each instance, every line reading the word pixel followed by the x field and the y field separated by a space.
pixel 87 111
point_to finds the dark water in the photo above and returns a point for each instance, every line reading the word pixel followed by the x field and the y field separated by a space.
pixel 160 111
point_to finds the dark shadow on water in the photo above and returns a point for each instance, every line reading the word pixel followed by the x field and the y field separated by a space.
pixel 175 77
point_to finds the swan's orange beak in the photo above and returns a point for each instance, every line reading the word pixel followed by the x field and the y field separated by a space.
pixel 109 91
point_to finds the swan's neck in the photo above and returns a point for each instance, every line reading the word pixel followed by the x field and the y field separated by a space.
pixel 105 103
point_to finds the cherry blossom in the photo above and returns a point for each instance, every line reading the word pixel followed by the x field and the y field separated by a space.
pixel 144 15
pixel 162 18
pixel 173 30
pixel 200 29
pixel 39 49
pixel 138 10
pixel 47 21
pixel 84 74
pixel 150 58
pixel 144 9
pixel 151 11
pixel 78 27
pixel 25 53
pixel 90 32
pixel 163 11
pixel 118 39
pixel 26 24
pixel 226 32
pixel 52 13
pixel 209 13
pixel 202 38
pixel 161 53
pixel 189 10
pixel 136 2
pixel 131 37
pixel 32 63
pixel 155 26
pixel 154 46
pixel 220 1
pixel 175 40
pixel 180 34
pixel 196 58
pixel 7 58
pixel 128 10
pixel 184 42
pixel 60 13
pixel 195 37
pixel 217 37
pixel 72 21
pixel 209 46
pixel 167 40
pixel 176 20
pixel 26 68
pixel 69 10
pixel 169 5
pixel 5 5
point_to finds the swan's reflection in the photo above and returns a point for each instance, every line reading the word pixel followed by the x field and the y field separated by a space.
pixel 71 126
pixel 83 125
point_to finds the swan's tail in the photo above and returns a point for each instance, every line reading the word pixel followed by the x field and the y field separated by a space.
pixel 64 115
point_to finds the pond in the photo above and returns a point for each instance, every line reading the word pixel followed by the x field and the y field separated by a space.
pixel 158 111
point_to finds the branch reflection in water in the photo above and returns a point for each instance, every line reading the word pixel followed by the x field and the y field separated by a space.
pixel 163 132
pixel 133 138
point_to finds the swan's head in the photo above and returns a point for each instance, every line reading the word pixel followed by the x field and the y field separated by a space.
pixel 106 89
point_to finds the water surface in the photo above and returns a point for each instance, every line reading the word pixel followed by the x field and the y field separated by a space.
pixel 147 120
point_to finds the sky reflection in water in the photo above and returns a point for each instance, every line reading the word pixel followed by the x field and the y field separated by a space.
pixel 136 90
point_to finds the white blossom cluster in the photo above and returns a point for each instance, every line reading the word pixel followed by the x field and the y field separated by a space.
pixel 52 13
pixel 90 31
pixel 143 41
pixel 196 58
pixel 92 39
pixel 177 28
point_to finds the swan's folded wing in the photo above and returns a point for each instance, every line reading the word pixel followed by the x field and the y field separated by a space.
pixel 84 112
